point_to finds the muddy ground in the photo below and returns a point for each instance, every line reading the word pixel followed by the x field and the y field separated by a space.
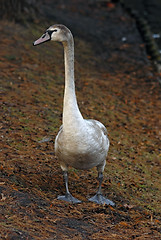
pixel 116 84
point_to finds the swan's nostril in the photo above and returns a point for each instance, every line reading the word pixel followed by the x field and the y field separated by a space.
pixel 43 36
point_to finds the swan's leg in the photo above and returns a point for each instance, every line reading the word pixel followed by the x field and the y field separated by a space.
pixel 99 198
pixel 68 197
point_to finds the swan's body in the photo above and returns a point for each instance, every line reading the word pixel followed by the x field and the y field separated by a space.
pixel 82 146
pixel 80 143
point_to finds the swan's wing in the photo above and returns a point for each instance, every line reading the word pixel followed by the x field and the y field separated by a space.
pixel 99 125
pixel 99 134
pixel 58 135
pixel 60 129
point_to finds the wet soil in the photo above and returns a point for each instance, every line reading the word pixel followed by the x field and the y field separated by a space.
pixel 115 84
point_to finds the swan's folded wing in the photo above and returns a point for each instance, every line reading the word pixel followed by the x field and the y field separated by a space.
pixel 58 135
pixel 61 128
pixel 98 124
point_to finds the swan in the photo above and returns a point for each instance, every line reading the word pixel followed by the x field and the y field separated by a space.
pixel 80 143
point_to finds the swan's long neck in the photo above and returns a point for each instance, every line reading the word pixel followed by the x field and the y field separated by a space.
pixel 71 113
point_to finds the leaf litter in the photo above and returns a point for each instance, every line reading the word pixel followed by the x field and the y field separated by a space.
pixel 125 96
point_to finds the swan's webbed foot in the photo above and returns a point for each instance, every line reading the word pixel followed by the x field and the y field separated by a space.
pixel 100 199
pixel 69 198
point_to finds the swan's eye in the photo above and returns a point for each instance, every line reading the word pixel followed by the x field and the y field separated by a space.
pixel 51 31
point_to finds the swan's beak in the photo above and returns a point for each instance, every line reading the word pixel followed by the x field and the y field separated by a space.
pixel 44 38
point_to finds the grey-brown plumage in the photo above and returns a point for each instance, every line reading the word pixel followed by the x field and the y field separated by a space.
pixel 80 143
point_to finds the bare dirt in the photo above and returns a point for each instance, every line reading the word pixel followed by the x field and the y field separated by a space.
pixel 117 85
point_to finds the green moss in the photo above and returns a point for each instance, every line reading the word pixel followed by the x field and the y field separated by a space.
pixel 10 57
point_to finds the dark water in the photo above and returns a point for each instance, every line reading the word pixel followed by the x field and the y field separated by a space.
pixel 151 11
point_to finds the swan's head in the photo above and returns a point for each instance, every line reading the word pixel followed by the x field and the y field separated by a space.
pixel 56 32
